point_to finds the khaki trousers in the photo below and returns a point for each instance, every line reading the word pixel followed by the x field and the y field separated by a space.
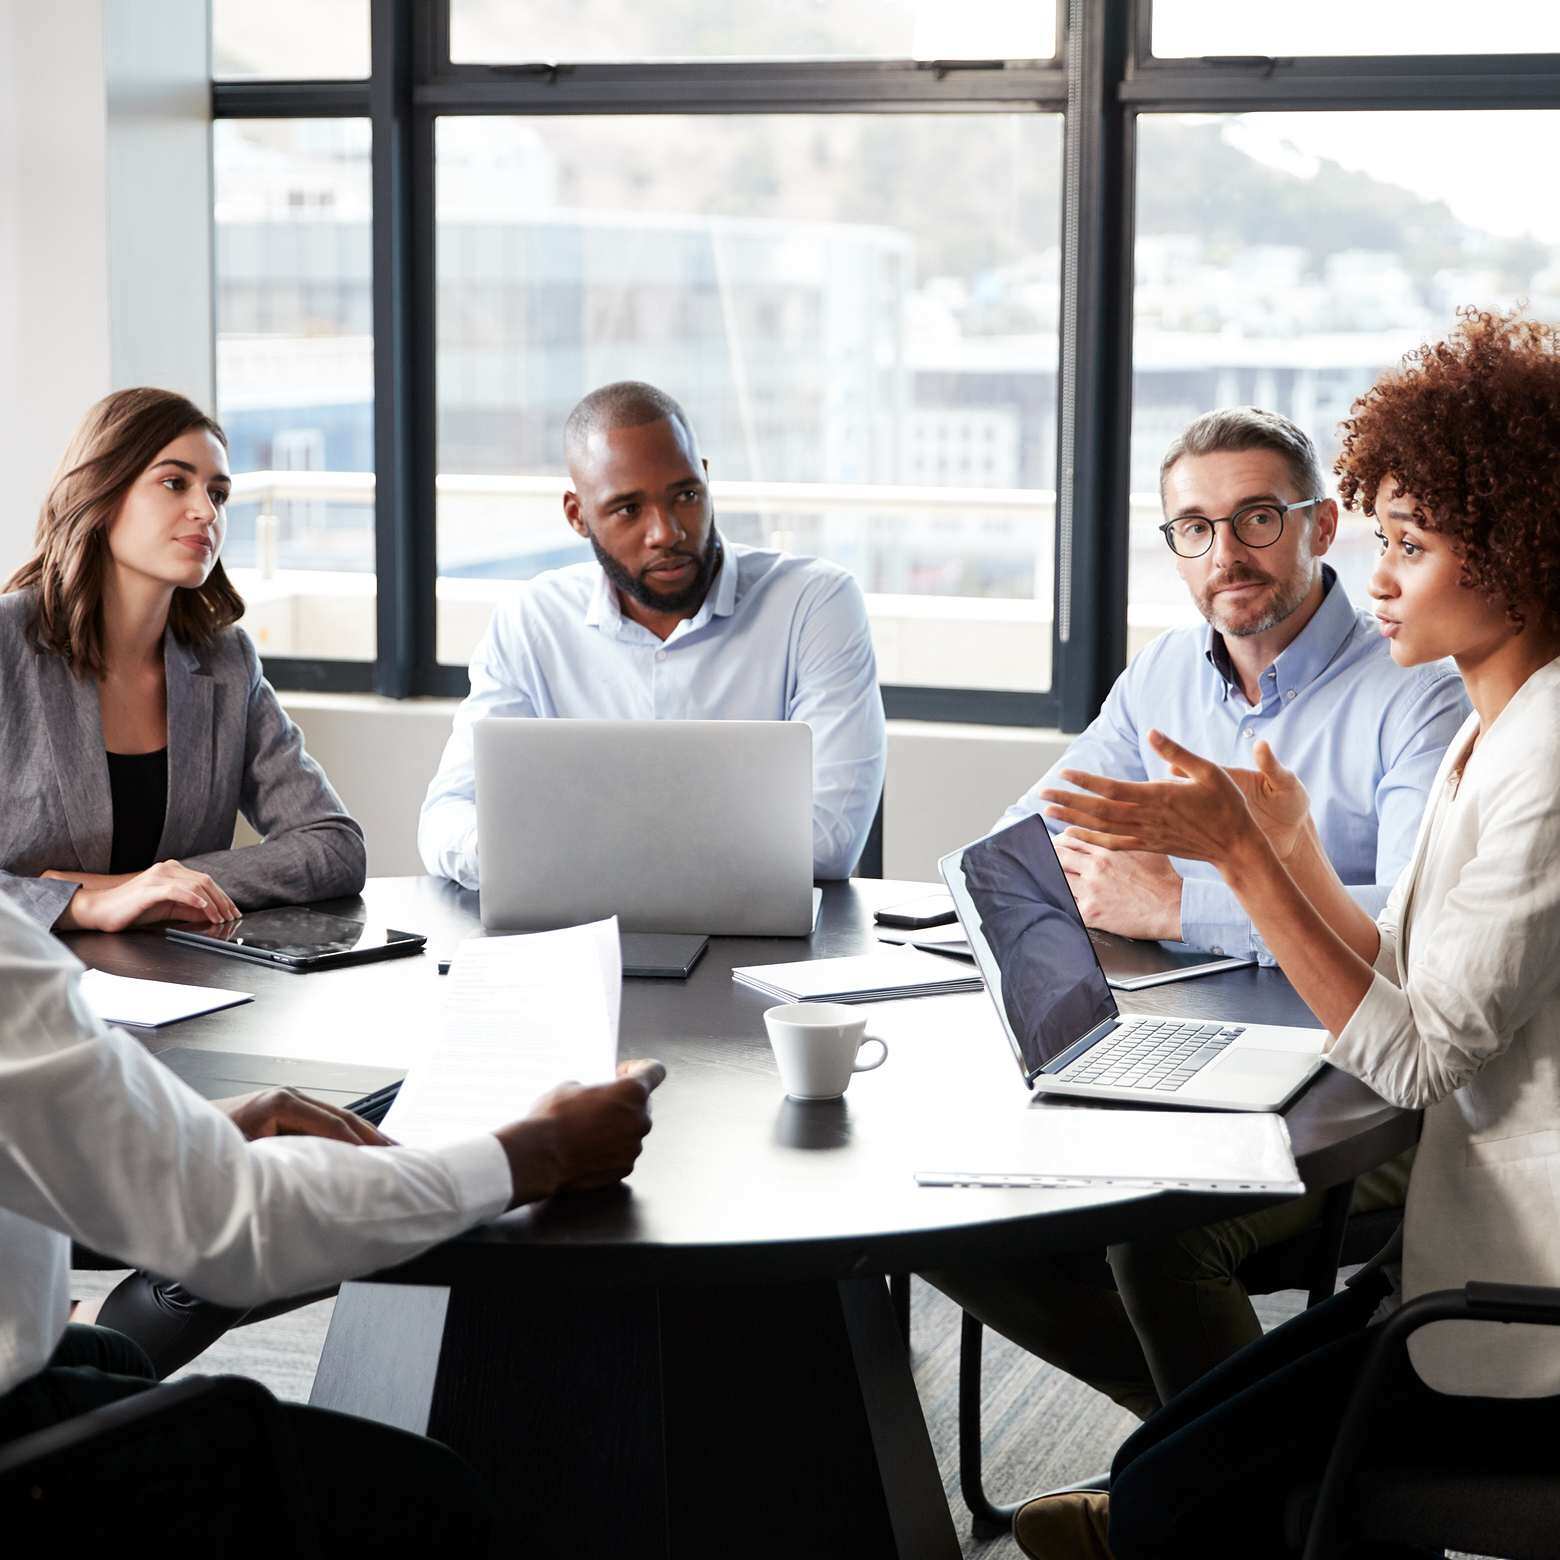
pixel 1143 1320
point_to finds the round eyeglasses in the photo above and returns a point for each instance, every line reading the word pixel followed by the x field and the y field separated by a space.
pixel 1255 525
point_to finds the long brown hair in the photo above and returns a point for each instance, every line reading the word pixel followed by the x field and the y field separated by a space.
pixel 117 440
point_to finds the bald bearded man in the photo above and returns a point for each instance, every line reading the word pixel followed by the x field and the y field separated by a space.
pixel 670 622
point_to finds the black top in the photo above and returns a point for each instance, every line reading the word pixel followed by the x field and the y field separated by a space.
pixel 138 785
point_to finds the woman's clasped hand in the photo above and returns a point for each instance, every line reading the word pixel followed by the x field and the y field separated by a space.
pixel 165 891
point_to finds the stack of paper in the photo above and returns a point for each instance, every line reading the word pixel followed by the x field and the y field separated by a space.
pixel 521 1015
pixel 865 977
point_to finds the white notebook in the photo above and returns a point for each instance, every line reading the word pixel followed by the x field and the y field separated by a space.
pixel 862 977
pixel 1202 1151
pixel 149 1004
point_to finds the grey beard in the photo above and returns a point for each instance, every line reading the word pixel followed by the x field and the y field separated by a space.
pixel 1284 605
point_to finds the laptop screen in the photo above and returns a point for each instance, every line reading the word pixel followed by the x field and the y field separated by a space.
pixel 1029 940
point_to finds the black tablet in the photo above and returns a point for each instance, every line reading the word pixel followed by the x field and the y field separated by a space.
pixel 299 939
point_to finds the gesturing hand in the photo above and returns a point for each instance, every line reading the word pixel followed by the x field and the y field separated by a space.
pixel 578 1138
pixel 1200 814
pixel 165 892
pixel 285 1112
pixel 1275 798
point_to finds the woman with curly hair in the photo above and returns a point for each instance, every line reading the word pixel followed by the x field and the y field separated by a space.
pixel 1449 1003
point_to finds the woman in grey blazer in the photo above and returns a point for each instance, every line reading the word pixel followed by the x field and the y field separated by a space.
pixel 135 722
pixel 135 726
pixel 1449 1002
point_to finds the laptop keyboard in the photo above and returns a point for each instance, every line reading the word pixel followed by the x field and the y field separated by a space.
pixel 1152 1053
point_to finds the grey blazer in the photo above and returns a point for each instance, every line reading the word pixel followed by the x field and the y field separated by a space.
pixel 231 749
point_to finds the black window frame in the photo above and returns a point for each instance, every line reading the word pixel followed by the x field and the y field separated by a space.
pixel 1103 77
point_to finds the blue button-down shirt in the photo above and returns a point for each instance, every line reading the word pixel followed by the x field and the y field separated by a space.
pixel 777 638
pixel 1364 735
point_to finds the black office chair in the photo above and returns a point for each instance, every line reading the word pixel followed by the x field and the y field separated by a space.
pixel 1310 1261
pixel 1485 1511
pixel 204 1465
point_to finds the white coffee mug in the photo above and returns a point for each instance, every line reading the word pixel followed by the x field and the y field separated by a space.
pixel 817 1047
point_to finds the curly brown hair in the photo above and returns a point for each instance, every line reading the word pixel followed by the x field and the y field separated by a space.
pixel 117 440
pixel 1470 427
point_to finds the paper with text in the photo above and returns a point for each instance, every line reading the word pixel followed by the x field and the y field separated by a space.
pixel 521 1015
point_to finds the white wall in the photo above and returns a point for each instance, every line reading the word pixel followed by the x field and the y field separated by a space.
pixel 105 195
pixel 946 784
pixel 159 185
pixel 53 246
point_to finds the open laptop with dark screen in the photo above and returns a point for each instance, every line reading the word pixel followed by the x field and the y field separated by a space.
pixel 1060 1015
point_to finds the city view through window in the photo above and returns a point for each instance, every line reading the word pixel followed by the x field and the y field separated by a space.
pixel 860 313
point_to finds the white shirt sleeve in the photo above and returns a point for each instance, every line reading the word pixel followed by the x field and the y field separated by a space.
pixel 836 693
pixel 102 1143
pixel 500 685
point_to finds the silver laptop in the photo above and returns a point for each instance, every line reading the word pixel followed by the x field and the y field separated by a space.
pixel 1060 1016
pixel 670 825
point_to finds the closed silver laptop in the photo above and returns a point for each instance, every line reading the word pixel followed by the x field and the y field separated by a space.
pixel 1060 1016
pixel 670 825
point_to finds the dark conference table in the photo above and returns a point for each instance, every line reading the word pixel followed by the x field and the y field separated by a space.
pixel 705 1361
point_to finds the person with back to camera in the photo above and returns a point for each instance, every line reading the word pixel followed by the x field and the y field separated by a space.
pixel 136 725
pixel 102 1144
pixel 1448 1002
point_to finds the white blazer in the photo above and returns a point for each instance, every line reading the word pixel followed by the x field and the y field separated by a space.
pixel 1463 1019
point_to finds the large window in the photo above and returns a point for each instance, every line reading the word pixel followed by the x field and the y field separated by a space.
pixel 295 380
pixel 1285 260
pixel 287 40
pixel 858 312
pixel 1193 28
pixel 500 32
pixel 937 281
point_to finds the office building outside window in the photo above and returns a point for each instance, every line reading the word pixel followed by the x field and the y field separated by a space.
pixel 878 248
pixel 295 380
pixel 859 314
pixel 1286 260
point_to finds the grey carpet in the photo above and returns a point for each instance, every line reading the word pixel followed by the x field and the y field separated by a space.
pixel 1042 1429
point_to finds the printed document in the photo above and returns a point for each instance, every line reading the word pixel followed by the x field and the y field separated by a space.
pixel 521 1015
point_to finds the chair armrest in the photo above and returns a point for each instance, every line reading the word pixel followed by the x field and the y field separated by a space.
pixel 1474 1302
pixel 1534 1304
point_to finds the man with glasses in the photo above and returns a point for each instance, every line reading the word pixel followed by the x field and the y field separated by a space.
pixel 1284 656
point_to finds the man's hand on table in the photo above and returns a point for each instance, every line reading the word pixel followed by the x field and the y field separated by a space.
pixel 279 1112
pixel 1133 894
pixel 579 1138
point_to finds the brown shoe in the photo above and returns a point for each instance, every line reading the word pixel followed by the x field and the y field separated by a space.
pixel 1071 1525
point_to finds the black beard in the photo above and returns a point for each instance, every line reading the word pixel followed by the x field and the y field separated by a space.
pixel 688 599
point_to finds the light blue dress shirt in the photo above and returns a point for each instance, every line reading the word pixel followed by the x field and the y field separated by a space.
pixel 778 638
pixel 1364 735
